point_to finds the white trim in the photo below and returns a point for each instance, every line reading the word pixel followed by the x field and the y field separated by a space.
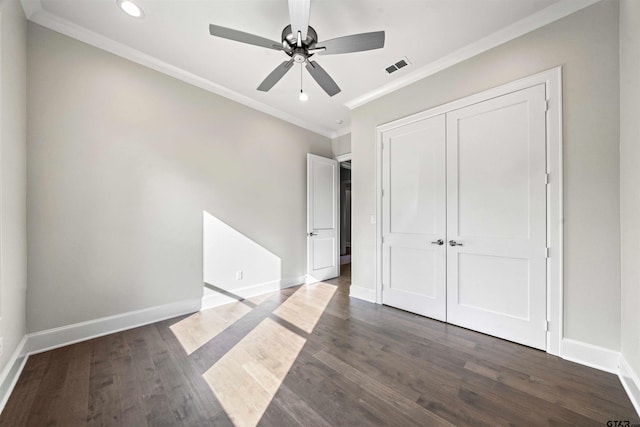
pixel 549 76
pixel 553 82
pixel 212 299
pixel 343 157
pixel 365 294
pixel 310 280
pixel 555 211
pixel 50 339
pixel 585 354
pixel 590 355
pixel 631 382
pixel 513 31
pixel 11 372
pixel 36 14
pixel 378 218
pixel 71 334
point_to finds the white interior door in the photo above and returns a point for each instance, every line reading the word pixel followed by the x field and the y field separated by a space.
pixel 496 216
pixel 322 218
pixel 414 209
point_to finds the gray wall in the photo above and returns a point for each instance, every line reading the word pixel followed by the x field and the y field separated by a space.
pixel 341 145
pixel 122 161
pixel 586 45
pixel 630 178
pixel 13 237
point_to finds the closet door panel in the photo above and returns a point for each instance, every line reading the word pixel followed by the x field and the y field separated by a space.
pixel 496 217
pixel 414 207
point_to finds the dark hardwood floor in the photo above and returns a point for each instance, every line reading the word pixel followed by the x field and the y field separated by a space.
pixel 309 356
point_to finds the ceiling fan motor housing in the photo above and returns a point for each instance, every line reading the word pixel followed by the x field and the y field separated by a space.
pixel 290 44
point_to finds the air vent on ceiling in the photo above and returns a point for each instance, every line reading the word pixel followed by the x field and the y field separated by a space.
pixel 398 65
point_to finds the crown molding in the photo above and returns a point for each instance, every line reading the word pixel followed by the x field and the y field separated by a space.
pixel 517 29
pixel 35 13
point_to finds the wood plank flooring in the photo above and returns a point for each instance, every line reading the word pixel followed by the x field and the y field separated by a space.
pixel 309 356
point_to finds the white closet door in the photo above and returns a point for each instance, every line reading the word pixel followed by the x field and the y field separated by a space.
pixel 496 209
pixel 414 210
pixel 322 218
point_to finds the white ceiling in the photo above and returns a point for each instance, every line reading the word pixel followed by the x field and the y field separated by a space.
pixel 173 37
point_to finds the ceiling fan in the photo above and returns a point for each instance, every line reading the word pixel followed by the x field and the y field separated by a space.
pixel 300 42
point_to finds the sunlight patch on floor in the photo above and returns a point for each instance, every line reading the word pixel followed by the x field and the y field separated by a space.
pixel 248 376
pixel 304 308
pixel 198 329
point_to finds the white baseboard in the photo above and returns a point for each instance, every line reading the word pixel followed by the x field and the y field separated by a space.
pixel 309 280
pixel 631 382
pixel 364 294
pixel 575 351
pixel 590 355
pixel 65 335
pixel 213 299
pixel 292 281
pixel 11 372
pixel 70 334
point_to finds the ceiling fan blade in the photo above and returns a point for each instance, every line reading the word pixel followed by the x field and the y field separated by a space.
pixel 275 76
pixel 240 36
pixel 352 43
pixel 322 78
pixel 299 16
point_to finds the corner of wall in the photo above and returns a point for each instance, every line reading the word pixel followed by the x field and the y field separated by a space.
pixel 11 372
pixel 364 294
pixel 631 382
pixel 629 197
pixel 341 144
pixel 13 76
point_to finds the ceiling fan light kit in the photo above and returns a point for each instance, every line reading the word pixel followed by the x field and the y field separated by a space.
pixel 130 8
pixel 300 42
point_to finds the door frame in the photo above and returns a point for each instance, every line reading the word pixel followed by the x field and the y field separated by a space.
pixel 552 79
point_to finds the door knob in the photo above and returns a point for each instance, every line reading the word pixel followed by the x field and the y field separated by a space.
pixel 312 234
pixel 454 243
pixel 438 242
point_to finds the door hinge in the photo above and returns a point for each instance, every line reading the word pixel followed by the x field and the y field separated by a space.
pixel 383 240
pixel 382 192
pixel 546 178
pixel 546 105
pixel 546 325
pixel 546 252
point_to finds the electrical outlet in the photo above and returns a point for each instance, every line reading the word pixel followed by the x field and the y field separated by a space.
pixel 239 275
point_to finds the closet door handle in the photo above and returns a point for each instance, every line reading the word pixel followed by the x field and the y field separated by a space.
pixel 438 242
pixel 312 234
pixel 454 243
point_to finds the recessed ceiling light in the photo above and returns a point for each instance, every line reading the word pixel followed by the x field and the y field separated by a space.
pixel 130 8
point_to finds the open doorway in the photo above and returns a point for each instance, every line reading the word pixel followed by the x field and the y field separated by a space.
pixel 345 219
